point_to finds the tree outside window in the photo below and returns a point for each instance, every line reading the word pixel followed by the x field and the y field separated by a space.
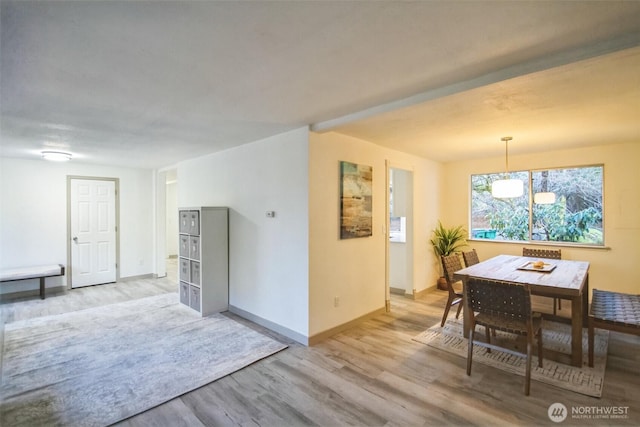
pixel 575 216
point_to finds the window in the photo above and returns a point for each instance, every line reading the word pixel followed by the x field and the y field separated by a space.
pixel 571 213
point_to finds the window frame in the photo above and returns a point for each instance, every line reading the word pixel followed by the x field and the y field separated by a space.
pixel 529 185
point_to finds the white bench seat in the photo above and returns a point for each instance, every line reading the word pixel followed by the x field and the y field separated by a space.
pixel 33 272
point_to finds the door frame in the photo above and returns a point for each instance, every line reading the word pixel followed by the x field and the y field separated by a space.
pixel 387 284
pixel 161 214
pixel 160 268
pixel 69 237
pixel 387 247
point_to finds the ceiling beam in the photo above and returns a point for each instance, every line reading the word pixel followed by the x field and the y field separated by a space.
pixel 547 62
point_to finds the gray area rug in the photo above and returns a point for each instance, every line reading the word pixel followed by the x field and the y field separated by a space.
pixel 556 336
pixel 98 366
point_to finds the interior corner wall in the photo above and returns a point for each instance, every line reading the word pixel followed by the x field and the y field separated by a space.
pixel 354 269
pixel 268 257
pixel 614 269
pixel 33 216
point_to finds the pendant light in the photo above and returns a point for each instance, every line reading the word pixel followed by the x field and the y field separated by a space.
pixel 507 188
pixel 544 198
pixel 56 156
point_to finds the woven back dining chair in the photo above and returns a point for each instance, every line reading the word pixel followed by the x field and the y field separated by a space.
pixel 451 264
pixel 470 257
pixel 542 253
pixel 502 306
pixel 548 254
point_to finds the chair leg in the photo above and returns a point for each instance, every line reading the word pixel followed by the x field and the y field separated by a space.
pixel 459 309
pixel 527 377
pixel 591 338
pixel 470 348
pixel 446 311
pixel 488 333
pixel 540 348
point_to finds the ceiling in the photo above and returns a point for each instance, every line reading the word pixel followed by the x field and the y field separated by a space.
pixel 150 83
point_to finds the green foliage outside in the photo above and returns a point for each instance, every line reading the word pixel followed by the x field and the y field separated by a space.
pixel 558 225
pixel 576 216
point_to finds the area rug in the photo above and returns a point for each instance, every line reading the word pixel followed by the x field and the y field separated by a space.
pixel 556 336
pixel 97 366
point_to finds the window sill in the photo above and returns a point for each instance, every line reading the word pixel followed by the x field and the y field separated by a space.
pixel 540 243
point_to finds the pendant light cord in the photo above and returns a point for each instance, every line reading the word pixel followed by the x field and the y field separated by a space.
pixel 506 140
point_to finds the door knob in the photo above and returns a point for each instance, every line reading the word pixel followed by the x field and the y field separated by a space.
pixel 75 239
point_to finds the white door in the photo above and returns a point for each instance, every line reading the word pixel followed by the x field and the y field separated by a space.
pixel 93 232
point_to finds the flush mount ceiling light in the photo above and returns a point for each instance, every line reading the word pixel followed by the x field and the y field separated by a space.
pixel 544 198
pixel 56 156
pixel 507 188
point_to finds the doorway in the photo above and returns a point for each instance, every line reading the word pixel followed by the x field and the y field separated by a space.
pixel 92 230
pixel 400 248
pixel 166 264
pixel 172 224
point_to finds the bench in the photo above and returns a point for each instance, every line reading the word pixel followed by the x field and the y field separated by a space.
pixel 37 272
pixel 613 311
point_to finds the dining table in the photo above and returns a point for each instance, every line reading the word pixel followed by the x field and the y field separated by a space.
pixel 565 279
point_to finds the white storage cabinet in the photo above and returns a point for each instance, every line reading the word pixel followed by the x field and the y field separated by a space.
pixel 204 259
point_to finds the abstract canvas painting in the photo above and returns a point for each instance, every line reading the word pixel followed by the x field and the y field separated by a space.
pixel 355 200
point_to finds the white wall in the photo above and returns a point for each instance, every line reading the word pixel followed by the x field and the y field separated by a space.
pixel 614 269
pixel 268 257
pixel 33 216
pixel 354 269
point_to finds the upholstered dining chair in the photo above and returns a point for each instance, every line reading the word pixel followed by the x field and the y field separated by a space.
pixel 503 306
pixel 451 264
pixel 470 257
pixel 548 254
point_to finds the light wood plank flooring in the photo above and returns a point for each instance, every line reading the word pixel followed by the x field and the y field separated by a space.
pixel 370 375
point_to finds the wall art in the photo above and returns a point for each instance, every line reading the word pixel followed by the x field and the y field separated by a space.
pixel 355 200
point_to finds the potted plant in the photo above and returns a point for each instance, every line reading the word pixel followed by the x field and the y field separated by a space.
pixel 446 241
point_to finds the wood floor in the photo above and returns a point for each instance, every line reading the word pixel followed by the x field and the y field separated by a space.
pixel 370 375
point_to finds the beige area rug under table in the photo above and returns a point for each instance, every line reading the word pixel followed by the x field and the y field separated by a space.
pixel 556 336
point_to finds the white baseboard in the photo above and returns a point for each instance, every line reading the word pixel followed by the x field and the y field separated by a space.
pixel 296 336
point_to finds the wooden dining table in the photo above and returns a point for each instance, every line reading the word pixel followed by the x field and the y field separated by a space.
pixel 559 278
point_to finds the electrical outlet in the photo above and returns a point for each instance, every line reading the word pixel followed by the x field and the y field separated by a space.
pixel 336 301
pixel 271 214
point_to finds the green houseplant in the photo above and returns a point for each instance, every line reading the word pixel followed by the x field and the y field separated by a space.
pixel 446 241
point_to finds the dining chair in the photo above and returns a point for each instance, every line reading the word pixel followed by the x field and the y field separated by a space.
pixel 613 311
pixel 451 264
pixel 470 257
pixel 503 306
pixel 542 253
pixel 548 254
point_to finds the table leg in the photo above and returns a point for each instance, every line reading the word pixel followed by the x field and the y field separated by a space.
pixel 576 330
pixel 466 320
pixel 585 301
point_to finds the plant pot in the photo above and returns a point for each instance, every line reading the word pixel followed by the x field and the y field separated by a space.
pixel 442 284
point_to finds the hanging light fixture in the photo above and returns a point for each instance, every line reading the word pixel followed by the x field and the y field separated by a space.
pixel 56 156
pixel 507 188
pixel 544 198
